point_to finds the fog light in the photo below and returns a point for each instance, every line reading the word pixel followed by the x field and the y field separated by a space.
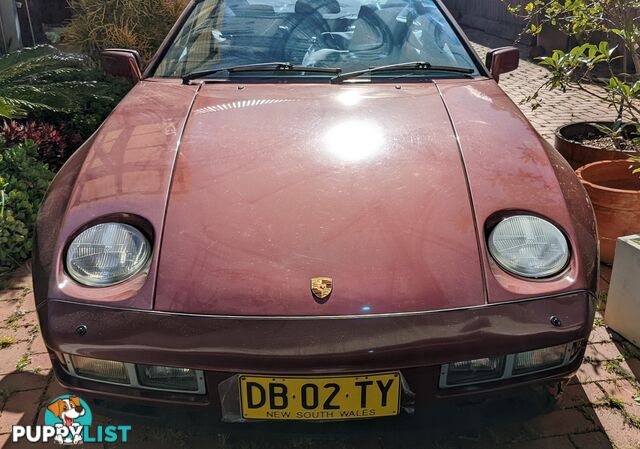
pixel 539 360
pixel 478 370
pixel 167 378
pixel 105 370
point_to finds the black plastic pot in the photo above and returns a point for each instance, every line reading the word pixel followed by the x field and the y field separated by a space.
pixel 568 143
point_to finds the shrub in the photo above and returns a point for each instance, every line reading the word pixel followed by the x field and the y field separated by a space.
pixel 23 183
pixel 90 110
pixel 39 79
pixel 64 90
pixel 576 69
pixel 51 142
pixel 136 24
pixel 583 18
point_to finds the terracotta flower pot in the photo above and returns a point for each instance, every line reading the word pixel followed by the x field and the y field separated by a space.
pixel 568 143
pixel 615 193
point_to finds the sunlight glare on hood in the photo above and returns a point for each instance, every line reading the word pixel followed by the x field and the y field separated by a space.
pixel 350 97
pixel 354 140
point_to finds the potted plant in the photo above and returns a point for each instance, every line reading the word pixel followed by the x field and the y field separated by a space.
pixel 614 190
pixel 623 303
pixel 597 70
pixel 586 142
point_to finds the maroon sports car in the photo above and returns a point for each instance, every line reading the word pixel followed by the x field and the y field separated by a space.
pixel 314 209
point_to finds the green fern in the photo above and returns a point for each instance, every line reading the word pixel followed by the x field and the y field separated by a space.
pixel 42 79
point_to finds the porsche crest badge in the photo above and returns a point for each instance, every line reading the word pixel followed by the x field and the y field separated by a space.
pixel 321 287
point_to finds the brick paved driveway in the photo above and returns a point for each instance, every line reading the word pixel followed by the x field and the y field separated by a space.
pixel 600 408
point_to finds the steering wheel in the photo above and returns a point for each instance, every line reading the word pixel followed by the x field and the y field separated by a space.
pixel 301 32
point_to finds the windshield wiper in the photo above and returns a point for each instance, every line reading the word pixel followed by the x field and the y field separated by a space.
pixel 404 66
pixel 266 66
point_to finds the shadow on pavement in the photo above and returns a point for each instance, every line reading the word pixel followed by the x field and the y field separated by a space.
pixel 631 354
pixel 507 423
pixel 21 396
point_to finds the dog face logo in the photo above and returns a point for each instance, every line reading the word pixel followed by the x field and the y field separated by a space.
pixel 69 414
pixel 67 409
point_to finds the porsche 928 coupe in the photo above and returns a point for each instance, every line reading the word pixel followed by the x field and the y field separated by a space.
pixel 314 210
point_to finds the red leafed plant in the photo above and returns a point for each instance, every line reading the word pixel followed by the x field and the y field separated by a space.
pixel 51 141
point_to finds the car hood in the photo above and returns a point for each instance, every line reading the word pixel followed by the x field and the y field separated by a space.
pixel 277 184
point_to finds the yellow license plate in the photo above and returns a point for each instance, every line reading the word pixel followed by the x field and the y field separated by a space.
pixel 320 398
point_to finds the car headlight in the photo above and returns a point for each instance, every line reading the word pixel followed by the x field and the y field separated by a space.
pixel 107 254
pixel 529 246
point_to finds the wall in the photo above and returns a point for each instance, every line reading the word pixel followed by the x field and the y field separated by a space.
pixel 10 38
pixel 43 13
pixel 490 16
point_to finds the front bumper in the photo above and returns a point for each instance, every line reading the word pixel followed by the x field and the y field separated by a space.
pixel 416 343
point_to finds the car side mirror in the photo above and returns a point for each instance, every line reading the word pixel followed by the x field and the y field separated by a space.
pixel 502 60
pixel 123 63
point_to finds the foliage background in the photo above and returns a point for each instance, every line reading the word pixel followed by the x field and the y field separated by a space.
pixel 584 18
pixel 50 102
pixel 23 183
pixel 133 24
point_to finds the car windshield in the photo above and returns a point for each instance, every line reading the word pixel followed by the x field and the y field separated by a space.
pixel 349 35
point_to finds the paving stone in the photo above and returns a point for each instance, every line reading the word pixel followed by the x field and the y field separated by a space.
pixel 53 391
pixel 18 317
pixel 544 443
pixel 39 362
pixel 21 278
pixel 9 294
pixel 593 392
pixel 20 282
pixel 7 308
pixel 573 396
pixel 599 335
pixel 29 319
pixel 21 408
pixel 591 440
pixel 596 371
pixel 9 356
pixel 38 346
pixel 620 433
pixel 555 423
pixel 28 303
pixel 23 381
pixel 625 391
pixel 602 352
pixel 20 333
pixel 560 422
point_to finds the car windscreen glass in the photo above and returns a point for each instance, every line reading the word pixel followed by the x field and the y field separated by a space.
pixel 346 34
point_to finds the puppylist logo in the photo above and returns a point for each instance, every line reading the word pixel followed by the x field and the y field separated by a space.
pixel 68 420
